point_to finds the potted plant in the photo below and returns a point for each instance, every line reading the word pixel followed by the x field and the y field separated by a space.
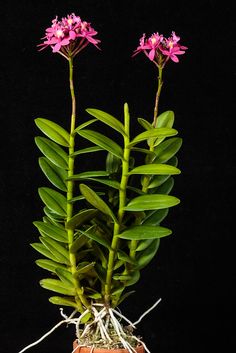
pixel 100 228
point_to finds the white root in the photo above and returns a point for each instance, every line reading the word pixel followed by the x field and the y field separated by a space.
pixel 105 320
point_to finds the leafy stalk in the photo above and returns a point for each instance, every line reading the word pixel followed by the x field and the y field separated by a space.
pixel 81 299
pixel 122 203
pixel 158 93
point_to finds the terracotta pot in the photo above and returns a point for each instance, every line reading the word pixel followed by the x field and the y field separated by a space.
pixel 139 349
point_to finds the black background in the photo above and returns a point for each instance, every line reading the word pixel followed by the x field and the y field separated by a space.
pixel 193 272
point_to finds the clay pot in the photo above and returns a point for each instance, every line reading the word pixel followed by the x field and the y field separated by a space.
pixel 139 349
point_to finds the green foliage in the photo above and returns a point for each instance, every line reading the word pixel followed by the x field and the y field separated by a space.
pixel 113 223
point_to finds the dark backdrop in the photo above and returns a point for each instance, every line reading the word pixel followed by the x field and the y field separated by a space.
pixel 193 272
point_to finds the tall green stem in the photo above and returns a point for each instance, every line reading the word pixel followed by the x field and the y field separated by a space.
pixel 158 93
pixel 122 203
pixel 80 298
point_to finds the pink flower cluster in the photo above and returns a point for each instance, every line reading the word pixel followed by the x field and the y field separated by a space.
pixel 160 49
pixel 69 36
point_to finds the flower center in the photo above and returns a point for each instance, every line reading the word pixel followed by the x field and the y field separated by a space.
pixel 59 33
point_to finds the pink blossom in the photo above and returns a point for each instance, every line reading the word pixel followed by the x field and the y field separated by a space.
pixel 69 36
pixel 160 49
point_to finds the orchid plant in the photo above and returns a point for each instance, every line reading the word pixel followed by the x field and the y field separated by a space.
pixel 102 227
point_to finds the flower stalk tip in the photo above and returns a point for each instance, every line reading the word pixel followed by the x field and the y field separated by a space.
pixel 69 36
pixel 159 49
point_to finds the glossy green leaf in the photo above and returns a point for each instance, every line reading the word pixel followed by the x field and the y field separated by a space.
pixel 157 181
pixel 48 265
pixel 78 243
pixel 167 149
pixel 54 232
pixel 101 140
pixel 135 278
pixel 154 133
pixel 96 237
pixel 89 174
pixel 85 267
pixel 96 201
pixel 63 301
pixel 53 200
pixel 144 123
pixel 80 218
pixel 109 182
pixel 54 131
pixel 145 232
pixel 52 151
pixel 57 286
pixel 148 254
pixel 54 217
pixel 65 276
pixel 87 150
pixel 42 249
pixel 107 119
pixel 58 251
pixel 124 257
pixel 151 202
pixel 82 126
pixel 113 163
pixel 156 217
pixel 143 244
pixel 121 277
pixel 143 150
pixel 166 119
pixel 155 169
pixel 166 187
pixel 54 174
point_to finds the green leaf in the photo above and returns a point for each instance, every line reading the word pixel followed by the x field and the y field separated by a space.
pixel 42 249
pixel 97 237
pixel 143 244
pixel 151 202
pixel 82 126
pixel 144 123
pixel 101 140
pixel 52 231
pixel 54 131
pixel 89 174
pixel 166 187
pixel 145 232
pixel 148 254
pixel 158 180
pixel 135 278
pixel 58 251
pixel 96 201
pixel 85 267
pixel 154 133
pixel 48 265
pixel 143 150
pixel 121 277
pixel 126 295
pixel 113 163
pixel 124 257
pixel 87 150
pixel 109 182
pixel 152 169
pixel 53 200
pixel 107 119
pixel 156 217
pixel 52 151
pixel 54 174
pixel 65 276
pixel 166 119
pixel 167 149
pixel 63 301
pixel 81 218
pixel 53 216
pixel 78 243
pixel 57 286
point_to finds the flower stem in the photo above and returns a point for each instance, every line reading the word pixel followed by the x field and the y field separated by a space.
pixel 122 203
pixel 80 298
pixel 158 93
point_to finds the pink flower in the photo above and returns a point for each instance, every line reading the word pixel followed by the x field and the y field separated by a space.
pixel 160 49
pixel 69 36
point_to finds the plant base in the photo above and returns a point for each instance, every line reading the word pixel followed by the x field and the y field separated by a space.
pixel 79 349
